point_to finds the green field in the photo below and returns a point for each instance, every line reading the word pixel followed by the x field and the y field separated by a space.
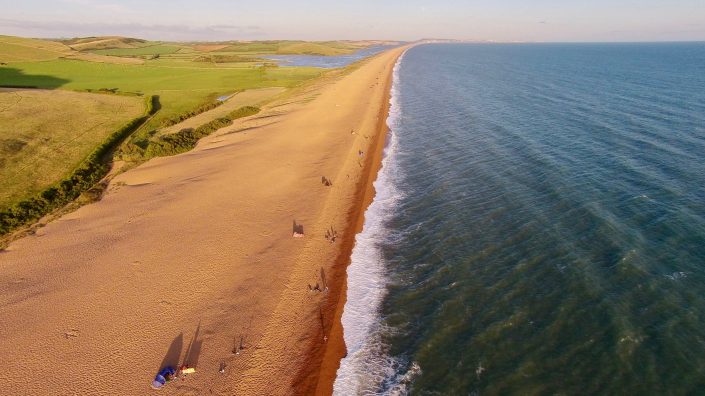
pixel 291 48
pixel 147 50
pixel 180 88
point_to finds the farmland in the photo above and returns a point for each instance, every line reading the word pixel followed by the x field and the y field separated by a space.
pixel 179 87
pixel 145 50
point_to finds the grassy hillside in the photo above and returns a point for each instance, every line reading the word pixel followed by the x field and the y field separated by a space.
pixel 97 43
pixel 185 76
pixel 156 49
pixel 45 134
pixel 19 49
pixel 325 48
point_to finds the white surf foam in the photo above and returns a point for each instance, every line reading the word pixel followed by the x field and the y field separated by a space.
pixel 367 365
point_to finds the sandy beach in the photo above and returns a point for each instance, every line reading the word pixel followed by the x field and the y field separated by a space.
pixel 190 259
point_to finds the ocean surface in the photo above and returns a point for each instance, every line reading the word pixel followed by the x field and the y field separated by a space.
pixel 539 225
pixel 327 62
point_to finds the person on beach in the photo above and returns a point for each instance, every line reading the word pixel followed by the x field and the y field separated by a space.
pixel 185 370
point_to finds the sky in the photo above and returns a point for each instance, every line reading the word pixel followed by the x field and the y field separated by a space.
pixel 483 20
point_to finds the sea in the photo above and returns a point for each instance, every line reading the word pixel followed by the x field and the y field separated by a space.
pixel 326 61
pixel 538 226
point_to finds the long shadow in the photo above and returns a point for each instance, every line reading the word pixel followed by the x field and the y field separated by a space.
pixel 173 353
pixel 194 349
pixel 11 77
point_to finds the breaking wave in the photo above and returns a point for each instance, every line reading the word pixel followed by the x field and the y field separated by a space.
pixel 368 367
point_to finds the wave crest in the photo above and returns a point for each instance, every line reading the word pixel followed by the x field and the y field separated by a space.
pixel 368 365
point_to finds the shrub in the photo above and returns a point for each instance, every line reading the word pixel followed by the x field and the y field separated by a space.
pixel 186 139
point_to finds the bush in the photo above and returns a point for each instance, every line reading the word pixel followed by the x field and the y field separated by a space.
pixel 243 112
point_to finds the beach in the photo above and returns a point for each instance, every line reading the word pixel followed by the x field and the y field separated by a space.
pixel 190 259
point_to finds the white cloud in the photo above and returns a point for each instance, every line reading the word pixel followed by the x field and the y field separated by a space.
pixel 99 6
pixel 55 29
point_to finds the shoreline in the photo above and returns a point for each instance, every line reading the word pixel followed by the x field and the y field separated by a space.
pixel 336 348
pixel 317 360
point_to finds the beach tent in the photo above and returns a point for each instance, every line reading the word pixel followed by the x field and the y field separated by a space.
pixel 164 375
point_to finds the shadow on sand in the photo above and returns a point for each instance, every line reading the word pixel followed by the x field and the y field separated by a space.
pixel 194 349
pixel 173 353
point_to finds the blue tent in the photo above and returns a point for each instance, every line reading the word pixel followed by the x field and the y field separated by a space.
pixel 164 375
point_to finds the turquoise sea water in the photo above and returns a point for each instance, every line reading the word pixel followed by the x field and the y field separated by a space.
pixel 539 225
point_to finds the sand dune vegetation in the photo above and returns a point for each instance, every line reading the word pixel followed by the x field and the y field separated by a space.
pixel 217 109
pixel 186 139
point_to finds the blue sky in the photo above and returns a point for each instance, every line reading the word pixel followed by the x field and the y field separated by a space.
pixel 499 20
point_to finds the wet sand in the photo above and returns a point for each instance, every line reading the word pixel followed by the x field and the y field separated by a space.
pixel 188 257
